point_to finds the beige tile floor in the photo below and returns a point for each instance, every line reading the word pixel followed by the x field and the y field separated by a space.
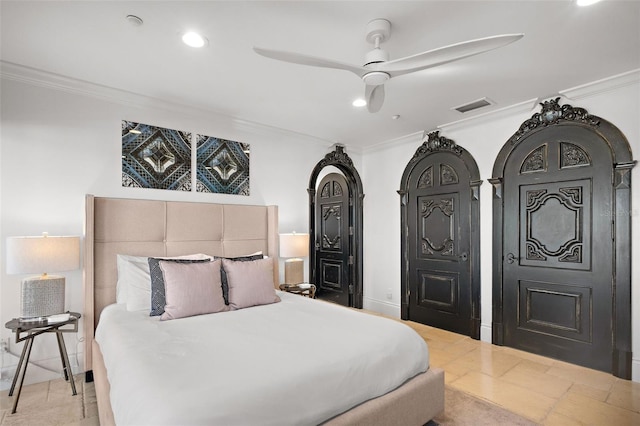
pixel 51 403
pixel 546 391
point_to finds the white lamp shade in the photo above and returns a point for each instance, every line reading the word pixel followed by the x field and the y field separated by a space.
pixel 294 245
pixel 27 255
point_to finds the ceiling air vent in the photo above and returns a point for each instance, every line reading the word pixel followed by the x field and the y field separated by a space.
pixel 480 103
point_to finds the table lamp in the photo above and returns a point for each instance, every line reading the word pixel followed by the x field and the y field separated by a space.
pixel 43 295
pixel 294 246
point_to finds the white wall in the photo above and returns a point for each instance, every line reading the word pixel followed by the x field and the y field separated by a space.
pixel 62 139
pixel 616 100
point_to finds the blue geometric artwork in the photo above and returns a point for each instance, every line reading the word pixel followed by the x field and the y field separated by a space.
pixel 222 166
pixel 155 157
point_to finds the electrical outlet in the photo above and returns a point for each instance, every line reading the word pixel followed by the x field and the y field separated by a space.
pixel 4 345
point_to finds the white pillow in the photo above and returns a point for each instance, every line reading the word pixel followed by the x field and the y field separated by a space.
pixel 134 281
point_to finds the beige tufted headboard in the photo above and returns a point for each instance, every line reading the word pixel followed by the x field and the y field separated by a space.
pixel 164 228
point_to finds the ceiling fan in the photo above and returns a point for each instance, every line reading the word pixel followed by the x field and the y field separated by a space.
pixel 377 68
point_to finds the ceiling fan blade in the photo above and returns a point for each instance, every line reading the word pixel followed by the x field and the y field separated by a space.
pixel 299 58
pixel 374 96
pixel 443 55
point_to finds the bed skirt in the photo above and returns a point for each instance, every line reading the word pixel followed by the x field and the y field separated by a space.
pixel 414 403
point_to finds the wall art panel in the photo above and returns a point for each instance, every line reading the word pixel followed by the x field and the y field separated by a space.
pixel 155 157
pixel 222 166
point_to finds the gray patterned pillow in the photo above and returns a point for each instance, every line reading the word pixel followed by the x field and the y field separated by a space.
pixel 158 297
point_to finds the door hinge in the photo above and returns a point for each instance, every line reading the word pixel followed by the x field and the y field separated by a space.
pixel 351 230
pixel 350 260
pixel 350 288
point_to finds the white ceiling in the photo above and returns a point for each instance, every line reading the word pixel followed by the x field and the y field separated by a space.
pixel 564 46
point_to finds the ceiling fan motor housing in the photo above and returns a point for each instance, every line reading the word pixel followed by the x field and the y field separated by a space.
pixel 375 56
pixel 378 31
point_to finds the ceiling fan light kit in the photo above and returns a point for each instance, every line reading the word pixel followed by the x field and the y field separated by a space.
pixel 375 78
pixel 377 68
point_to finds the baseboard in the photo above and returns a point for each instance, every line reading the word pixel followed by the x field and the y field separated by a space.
pixel 382 307
pixel 486 333
pixel 635 370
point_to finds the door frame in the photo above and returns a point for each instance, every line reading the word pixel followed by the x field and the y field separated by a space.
pixel 341 160
pixel 554 114
pixel 435 143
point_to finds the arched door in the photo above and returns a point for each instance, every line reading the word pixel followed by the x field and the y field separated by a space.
pixel 337 215
pixel 557 288
pixel 332 249
pixel 440 238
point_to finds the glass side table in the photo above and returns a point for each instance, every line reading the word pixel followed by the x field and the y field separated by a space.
pixel 27 331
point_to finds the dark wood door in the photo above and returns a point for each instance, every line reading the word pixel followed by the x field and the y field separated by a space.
pixel 439 234
pixel 558 247
pixel 332 240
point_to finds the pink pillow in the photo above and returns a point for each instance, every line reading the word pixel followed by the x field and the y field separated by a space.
pixel 192 289
pixel 250 283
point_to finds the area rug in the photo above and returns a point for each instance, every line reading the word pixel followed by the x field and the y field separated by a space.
pixel 462 409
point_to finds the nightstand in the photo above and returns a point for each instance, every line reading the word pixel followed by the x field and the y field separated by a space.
pixel 310 291
pixel 27 331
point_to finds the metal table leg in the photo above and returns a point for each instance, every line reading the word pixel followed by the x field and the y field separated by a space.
pixel 65 362
pixel 24 364
pixel 15 376
pixel 62 352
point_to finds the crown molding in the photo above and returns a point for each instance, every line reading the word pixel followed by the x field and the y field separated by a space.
pixel 412 138
pixel 61 83
pixel 526 107
pixel 602 86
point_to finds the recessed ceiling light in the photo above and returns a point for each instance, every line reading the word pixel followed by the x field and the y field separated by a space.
pixel 359 103
pixel 586 2
pixel 135 131
pixel 193 39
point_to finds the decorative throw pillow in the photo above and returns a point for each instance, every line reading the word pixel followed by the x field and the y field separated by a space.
pixel 158 298
pixel 225 283
pixel 134 281
pixel 250 283
pixel 191 289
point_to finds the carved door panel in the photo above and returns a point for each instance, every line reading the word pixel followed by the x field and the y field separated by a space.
pixel 558 248
pixel 332 240
pixel 439 215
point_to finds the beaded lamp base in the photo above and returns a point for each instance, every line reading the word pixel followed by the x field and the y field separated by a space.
pixel 42 296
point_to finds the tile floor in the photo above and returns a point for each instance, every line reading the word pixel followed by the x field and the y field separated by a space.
pixel 546 391
pixel 51 403
pixel 541 389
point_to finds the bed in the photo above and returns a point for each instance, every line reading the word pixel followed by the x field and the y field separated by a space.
pixel 277 365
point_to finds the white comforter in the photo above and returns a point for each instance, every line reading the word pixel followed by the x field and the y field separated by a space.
pixel 297 362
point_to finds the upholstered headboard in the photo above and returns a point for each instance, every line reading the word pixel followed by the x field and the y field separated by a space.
pixel 164 228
